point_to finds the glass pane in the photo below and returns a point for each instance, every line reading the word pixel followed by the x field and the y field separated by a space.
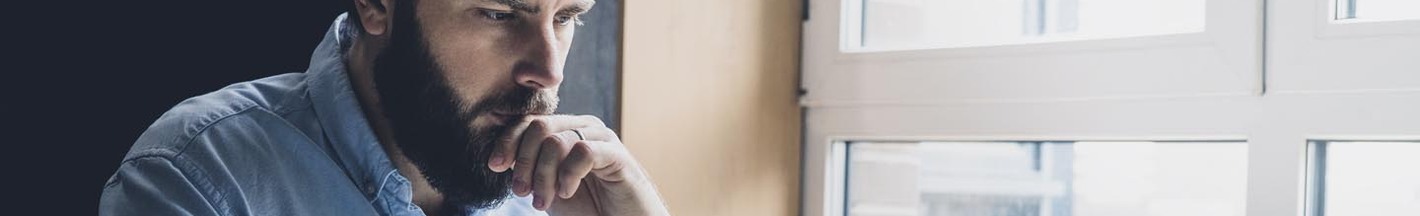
pixel 920 24
pixel 1046 178
pixel 1369 178
pixel 1377 10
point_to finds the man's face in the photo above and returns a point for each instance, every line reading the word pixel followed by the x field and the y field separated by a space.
pixel 456 73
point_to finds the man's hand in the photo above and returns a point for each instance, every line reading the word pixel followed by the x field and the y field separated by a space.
pixel 552 162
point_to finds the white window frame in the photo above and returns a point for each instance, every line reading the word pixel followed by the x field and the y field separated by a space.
pixel 1276 101
pixel 1315 184
pixel 1313 53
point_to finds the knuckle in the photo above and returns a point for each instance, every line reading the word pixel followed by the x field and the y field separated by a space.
pixel 545 170
pixel 610 132
pixel 540 181
pixel 524 159
pixel 539 123
pixel 594 119
pixel 504 141
pixel 553 141
pixel 582 147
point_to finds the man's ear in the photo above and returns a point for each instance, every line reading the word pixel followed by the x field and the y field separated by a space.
pixel 374 15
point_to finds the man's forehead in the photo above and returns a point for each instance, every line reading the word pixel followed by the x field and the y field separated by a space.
pixel 532 6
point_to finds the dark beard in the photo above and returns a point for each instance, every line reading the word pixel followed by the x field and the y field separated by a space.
pixel 433 127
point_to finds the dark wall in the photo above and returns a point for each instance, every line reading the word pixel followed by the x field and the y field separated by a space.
pixel 82 79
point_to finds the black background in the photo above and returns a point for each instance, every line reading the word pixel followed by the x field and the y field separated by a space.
pixel 82 79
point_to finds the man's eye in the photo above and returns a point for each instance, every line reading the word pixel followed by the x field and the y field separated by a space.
pixel 563 20
pixel 498 15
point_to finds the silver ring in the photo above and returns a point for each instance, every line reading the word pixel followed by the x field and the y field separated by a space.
pixel 579 134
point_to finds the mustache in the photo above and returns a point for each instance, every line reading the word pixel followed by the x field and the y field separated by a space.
pixel 521 101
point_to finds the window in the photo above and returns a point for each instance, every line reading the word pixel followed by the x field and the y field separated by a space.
pixel 1274 73
pixel 1046 178
pixel 951 50
pixel 1376 10
pixel 922 24
pixel 1343 45
pixel 1364 178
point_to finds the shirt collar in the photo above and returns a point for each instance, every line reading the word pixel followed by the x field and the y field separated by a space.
pixel 343 121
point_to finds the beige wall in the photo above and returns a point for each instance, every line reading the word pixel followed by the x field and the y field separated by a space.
pixel 709 102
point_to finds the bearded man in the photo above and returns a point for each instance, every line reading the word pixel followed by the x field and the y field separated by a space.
pixel 409 107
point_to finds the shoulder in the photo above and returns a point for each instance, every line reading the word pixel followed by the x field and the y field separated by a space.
pixel 192 144
pixel 224 109
pixel 225 116
pixel 181 155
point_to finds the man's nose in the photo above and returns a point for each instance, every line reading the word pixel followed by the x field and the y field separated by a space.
pixel 538 68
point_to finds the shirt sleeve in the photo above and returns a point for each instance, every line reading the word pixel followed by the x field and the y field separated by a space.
pixel 152 186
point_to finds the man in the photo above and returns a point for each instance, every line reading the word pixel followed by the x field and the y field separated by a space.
pixel 409 107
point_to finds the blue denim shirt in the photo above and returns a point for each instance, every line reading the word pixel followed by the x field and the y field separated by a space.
pixel 291 144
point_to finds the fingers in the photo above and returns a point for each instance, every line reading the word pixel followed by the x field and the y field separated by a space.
pixel 501 158
pixel 529 132
pixel 524 155
pixel 544 174
pixel 564 179
pixel 578 163
pixel 530 150
pixel 549 160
